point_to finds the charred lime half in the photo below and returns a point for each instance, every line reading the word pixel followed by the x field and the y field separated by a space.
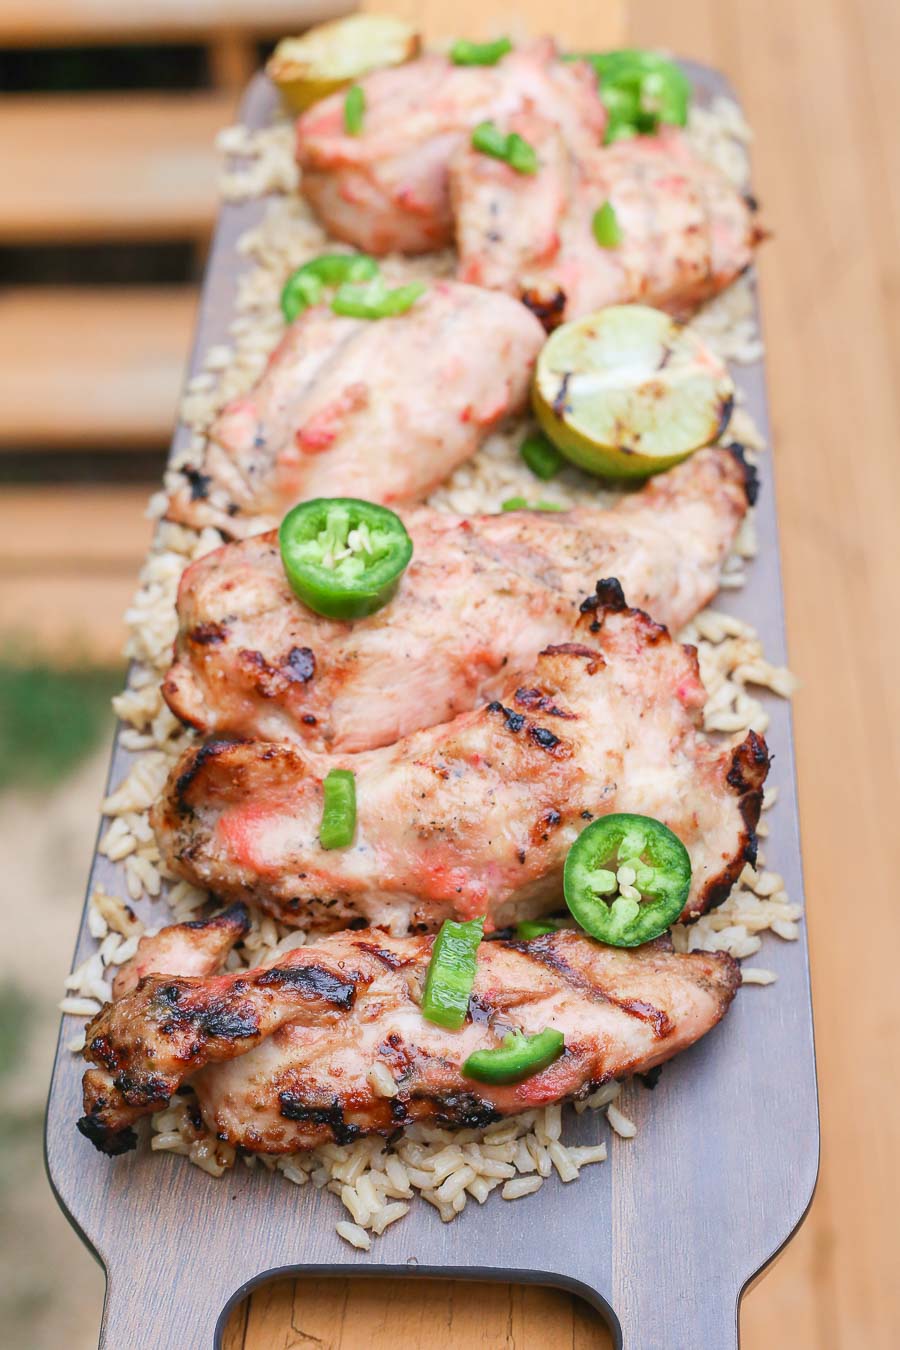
pixel 628 391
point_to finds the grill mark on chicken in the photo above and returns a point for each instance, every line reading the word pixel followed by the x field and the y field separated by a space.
pixel 303 1077
pixel 546 954
pixel 748 469
pixel 522 576
pixel 312 982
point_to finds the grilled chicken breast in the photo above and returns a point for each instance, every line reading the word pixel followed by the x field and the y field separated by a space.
pixel 476 816
pixel 281 1058
pixel 479 601
pixel 382 409
pixel 195 948
pixel 387 188
pixel 686 233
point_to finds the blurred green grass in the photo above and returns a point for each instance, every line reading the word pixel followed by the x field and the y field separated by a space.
pixel 50 720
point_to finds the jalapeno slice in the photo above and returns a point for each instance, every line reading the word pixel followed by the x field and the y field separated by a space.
pixel 626 879
pixel 532 928
pixel 338 809
pixel 305 285
pixel 451 973
pixel 464 53
pixel 518 1056
pixel 343 557
pixel 640 89
pixel 374 301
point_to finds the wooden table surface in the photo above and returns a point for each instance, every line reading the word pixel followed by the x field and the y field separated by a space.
pixel 819 84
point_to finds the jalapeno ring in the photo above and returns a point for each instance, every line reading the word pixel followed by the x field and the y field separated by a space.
pixel 343 557
pixel 626 879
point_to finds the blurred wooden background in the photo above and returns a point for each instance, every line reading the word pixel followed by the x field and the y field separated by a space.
pixel 90 367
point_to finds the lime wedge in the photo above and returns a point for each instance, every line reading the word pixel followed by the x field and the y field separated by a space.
pixel 332 55
pixel 627 392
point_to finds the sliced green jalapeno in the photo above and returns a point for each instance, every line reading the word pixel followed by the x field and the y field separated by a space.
pixel 343 557
pixel 354 110
pixel 451 973
pixel 374 301
pixel 305 285
pixel 513 149
pixel 640 89
pixel 532 928
pixel 464 53
pixel 518 1056
pixel 541 456
pixel 338 809
pixel 522 504
pixel 626 879
pixel 605 225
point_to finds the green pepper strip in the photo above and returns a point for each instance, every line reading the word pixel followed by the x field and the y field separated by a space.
pixel 605 225
pixel 521 504
pixel 513 149
pixel 541 456
pixel 451 973
pixel 354 110
pixel 464 53
pixel 640 90
pixel 517 1057
pixel 338 809
pixel 533 928
pixel 626 879
pixel 374 300
pixel 305 285
pixel 343 557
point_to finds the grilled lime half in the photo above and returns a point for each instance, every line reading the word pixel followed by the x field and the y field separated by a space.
pixel 628 392
pixel 332 55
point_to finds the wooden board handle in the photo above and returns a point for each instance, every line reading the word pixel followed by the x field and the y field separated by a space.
pixel 679 1319
pixel 161 1307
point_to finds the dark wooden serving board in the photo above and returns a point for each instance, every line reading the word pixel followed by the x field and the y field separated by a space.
pixel 663 1237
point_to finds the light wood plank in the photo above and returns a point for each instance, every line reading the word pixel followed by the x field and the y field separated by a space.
pixel 83 527
pixel 72 617
pixel 820 93
pixel 30 23
pixel 93 366
pixel 110 166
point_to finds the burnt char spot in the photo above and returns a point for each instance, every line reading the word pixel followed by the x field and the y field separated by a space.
pixel 399 1111
pixel 651 1077
pixel 543 737
pixel 236 916
pixel 143 1091
pixel 197 481
pixel 293 1107
pixel 752 202
pixel 514 721
pixel 387 958
pixel 311 982
pixel 464 1110
pixel 751 477
pixel 749 764
pixel 208 634
pixel 184 780
pixel 550 312
pixel 218 1019
pixel 726 408
pixel 608 595
pixel 110 1142
pixel 301 664
pixel 535 699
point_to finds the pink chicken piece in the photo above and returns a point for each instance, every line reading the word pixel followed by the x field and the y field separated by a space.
pixel 685 231
pixel 476 816
pixel 382 409
pixel 387 188
pixel 480 599
pixel 287 1057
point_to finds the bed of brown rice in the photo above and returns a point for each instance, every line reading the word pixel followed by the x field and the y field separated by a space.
pixel 375 1180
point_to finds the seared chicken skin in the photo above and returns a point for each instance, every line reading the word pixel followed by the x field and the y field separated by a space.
pixel 281 1058
pixel 686 232
pixel 198 947
pixel 478 602
pixel 476 816
pixel 382 409
pixel 387 188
